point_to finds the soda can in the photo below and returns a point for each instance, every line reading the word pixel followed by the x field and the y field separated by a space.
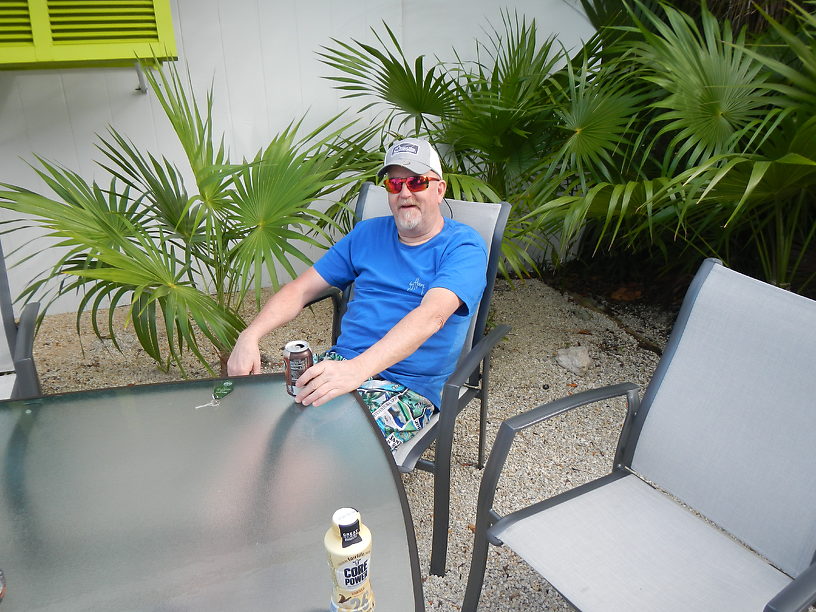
pixel 297 358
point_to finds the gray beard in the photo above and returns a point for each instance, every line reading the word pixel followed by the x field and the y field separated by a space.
pixel 407 220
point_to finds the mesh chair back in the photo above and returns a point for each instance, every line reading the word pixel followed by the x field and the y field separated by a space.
pixel 727 424
pixel 488 219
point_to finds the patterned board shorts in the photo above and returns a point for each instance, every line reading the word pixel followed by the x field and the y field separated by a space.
pixel 398 411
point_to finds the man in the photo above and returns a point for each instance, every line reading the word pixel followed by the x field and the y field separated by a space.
pixel 418 279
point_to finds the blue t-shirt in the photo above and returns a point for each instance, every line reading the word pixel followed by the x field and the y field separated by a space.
pixel 390 279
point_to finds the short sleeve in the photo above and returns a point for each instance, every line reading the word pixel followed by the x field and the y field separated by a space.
pixel 464 269
pixel 335 266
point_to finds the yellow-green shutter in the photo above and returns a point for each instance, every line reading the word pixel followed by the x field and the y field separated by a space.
pixel 45 33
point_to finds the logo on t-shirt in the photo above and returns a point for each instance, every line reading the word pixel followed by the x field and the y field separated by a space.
pixel 416 286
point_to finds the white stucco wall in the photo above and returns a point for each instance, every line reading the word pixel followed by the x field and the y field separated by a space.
pixel 261 58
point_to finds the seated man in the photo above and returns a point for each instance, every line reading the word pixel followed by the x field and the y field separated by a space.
pixel 418 279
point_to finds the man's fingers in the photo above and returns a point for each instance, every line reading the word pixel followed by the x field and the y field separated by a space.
pixel 309 374
pixel 325 381
pixel 244 360
pixel 312 389
pixel 320 396
pixel 325 398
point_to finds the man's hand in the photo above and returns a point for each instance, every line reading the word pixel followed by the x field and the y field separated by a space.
pixel 281 308
pixel 245 357
pixel 328 379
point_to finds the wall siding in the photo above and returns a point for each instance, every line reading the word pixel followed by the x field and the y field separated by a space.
pixel 260 58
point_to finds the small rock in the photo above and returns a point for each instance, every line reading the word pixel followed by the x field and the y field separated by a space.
pixel 575 359
pixel 628 293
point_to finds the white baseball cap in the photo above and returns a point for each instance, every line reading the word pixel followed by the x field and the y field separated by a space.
pixel 415 154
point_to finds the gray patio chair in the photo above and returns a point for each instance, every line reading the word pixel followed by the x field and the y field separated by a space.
pixel 469 381
pixel 18 375
pixel 716 462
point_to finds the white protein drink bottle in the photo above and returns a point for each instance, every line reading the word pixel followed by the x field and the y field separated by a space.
pixel 348 544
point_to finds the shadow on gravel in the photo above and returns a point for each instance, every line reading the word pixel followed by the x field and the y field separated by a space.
pixel 637 295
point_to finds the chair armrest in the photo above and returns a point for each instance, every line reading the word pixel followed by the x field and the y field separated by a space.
pixel 24 344
pixel 27 382
pixel 510 427
pixel 475 356
pixel 332 292
pixel 546 411
pixel 798 595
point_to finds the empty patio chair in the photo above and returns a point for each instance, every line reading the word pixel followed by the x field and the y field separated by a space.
pixel 18 375
pixel 470 379
pixel 711 501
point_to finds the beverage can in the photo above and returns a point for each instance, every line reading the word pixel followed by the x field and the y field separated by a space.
pixel 348 545
pixel 297 358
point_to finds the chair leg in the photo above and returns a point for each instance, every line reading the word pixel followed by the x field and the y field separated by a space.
pixel 478 563
pixel 441 516
pixel 483 410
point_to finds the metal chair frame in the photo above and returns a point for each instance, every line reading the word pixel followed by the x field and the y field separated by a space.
pixel 490 525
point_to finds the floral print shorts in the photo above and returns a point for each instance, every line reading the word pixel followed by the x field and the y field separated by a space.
pixel 398 411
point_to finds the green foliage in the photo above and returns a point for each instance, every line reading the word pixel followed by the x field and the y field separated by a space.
pixel 184 263
pixel 486 117
pixel 666 128
pixel 726 150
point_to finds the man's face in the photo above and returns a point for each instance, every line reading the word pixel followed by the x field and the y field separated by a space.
pixel 416 212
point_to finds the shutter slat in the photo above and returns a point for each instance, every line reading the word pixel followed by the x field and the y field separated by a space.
pixel 15 38
pixel 114 10
pixel 120 14
pixel 15 23
pixel 80 4
pixel 129 20
pixel 75 21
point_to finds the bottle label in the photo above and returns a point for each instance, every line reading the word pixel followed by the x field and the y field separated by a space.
pixel 353 574
pixel 350 534
pixel 358 603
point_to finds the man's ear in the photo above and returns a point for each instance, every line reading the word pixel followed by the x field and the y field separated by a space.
pixel 442 187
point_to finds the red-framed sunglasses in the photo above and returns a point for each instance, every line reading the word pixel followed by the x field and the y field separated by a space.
pixel 415 183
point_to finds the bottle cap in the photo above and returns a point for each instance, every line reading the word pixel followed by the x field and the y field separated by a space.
pixel 348 522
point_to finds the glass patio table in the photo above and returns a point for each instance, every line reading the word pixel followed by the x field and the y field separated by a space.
pixel 140 498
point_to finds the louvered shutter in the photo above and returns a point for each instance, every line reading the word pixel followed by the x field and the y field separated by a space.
pixel 34 33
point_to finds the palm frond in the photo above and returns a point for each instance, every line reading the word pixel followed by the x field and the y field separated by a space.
pixel 714 90
pixel 410 90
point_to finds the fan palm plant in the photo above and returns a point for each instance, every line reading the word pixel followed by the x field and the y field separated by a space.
pixel 726 150
pixel 666 130
pixel 183 263
pixel 486 117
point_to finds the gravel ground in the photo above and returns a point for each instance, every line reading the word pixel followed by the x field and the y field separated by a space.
pixel 560 454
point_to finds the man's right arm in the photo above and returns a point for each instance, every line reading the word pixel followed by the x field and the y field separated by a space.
pixel 281 308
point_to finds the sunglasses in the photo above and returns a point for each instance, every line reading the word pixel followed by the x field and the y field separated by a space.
pixel 415 183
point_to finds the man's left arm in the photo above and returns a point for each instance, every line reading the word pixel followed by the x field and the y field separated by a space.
pixel 329 379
